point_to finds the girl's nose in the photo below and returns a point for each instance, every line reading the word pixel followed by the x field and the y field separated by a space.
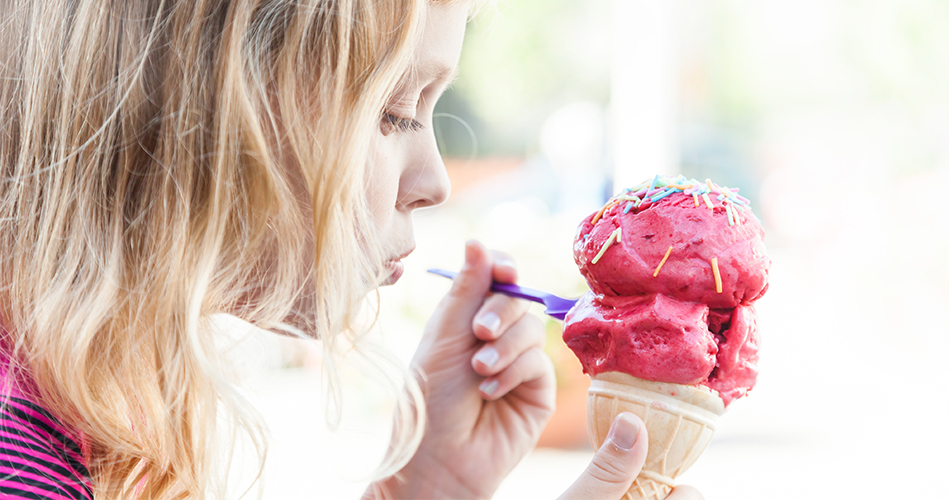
pixel 424 183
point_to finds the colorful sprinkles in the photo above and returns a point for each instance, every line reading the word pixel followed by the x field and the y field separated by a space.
pixel 717 274
pixel 729 213
pixel 603 210
pixel 617 236
pixel 641 197
pixel 708 202
pixel 663 261
pixel 645 194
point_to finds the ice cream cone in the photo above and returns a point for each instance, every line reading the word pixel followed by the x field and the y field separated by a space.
pixel 680 420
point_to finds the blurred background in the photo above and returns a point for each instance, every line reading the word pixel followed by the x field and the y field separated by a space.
pixel 833 117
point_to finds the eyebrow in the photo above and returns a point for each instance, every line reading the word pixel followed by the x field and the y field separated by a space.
pixel 440 72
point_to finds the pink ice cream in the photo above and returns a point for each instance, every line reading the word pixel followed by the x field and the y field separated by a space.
pixel 690 323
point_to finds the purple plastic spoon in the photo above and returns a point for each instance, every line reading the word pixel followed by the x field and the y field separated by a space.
pixel 557 307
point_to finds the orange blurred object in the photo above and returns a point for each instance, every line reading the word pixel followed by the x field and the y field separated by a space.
pixel 567 429
pixel 464 173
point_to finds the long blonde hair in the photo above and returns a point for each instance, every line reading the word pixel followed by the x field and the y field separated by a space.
pixel 145 187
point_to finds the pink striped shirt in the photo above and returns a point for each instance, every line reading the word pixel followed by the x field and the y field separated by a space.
pixel 39 460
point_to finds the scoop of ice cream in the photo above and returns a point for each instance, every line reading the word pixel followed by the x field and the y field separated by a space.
pixel 696 235
pixel 674 267
pixel 651 337
pixel 655 337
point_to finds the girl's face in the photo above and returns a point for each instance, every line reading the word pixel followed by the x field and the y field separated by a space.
pixel 405 171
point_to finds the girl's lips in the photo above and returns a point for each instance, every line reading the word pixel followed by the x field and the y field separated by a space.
pixel 404 255
pixel 395 268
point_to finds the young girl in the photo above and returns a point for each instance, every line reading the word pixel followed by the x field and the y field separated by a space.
pixel 167 160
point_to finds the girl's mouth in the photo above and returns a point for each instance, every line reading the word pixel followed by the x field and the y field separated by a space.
pixel 395 267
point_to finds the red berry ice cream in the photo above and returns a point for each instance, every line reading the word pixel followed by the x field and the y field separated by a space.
pixel 674 266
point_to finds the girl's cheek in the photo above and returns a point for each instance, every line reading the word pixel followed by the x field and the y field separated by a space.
pixel 382 195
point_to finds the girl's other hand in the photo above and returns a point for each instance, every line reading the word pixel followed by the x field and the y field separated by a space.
pixel 488 386
pixel 617 463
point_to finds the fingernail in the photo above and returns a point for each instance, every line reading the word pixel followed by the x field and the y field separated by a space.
pixel 488 356
pixel 491 321
pixel 470 252
pixel 623 432
pixel 506 263
pixel 489 387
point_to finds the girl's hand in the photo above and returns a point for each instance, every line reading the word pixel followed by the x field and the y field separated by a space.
pixel 488 386
pixel 489 390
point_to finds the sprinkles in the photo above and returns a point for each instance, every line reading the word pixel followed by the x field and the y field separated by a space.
pixel 617 236
pixel 717 274
pixel 659 196
pixel 663 261
pixel 641 197
pixel 655 181
pixel 649 192
pixel 603 210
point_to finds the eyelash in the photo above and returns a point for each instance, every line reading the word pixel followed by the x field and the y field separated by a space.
pixel 401 124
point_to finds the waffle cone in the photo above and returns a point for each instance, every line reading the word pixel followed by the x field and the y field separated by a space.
pixel 680 420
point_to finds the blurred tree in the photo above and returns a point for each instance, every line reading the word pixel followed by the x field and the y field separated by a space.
pixel 522 60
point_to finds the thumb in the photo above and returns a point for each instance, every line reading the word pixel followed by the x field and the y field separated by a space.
pixel 473 282
pixel 616 464
pixel 453 317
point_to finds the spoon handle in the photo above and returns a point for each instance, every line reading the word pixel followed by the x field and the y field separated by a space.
pixel 516 291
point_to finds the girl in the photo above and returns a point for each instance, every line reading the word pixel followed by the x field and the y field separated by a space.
pixel 167 160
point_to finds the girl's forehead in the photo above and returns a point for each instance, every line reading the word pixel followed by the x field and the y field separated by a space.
pixel 440 47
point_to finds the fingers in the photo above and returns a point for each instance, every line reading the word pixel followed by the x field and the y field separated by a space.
pixel 466 298
pixel 683 492
pixel 493 357
pixel 503 270
pixel 497 314
pixel 473 281
pixel 469 307
pixel 455 313
pixel 528 367
pixel 616 464
pixel 499 311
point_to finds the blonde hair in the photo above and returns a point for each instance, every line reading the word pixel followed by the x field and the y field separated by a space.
pixel 146 186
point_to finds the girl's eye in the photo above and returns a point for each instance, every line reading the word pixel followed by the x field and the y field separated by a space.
pixel 392 123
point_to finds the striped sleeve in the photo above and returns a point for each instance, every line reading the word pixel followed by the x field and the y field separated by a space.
pixel 38 459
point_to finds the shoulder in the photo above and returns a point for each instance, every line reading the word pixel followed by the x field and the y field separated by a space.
pixel 38 458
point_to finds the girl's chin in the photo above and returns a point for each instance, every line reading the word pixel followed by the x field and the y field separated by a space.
pixel 395 268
